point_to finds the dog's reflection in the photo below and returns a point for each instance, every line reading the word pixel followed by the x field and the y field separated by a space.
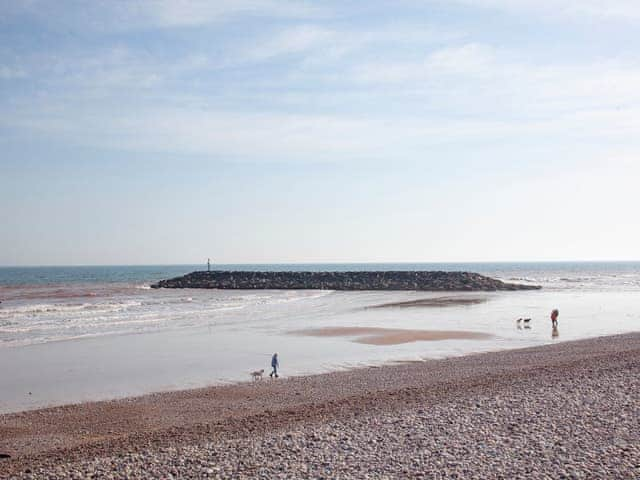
pixel 554 332
pixel 523 321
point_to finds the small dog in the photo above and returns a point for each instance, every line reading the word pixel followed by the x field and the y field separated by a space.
pixel 257 375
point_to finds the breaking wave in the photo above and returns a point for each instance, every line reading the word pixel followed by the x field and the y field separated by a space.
pixel 24 322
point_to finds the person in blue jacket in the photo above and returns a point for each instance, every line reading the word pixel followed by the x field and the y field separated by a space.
pixel 274 364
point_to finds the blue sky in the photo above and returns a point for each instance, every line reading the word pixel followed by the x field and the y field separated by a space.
pixel 275 131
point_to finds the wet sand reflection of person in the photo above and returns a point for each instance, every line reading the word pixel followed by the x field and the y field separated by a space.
pixel 554 323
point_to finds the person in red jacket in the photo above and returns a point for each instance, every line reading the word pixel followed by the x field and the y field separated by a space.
pixel 554 317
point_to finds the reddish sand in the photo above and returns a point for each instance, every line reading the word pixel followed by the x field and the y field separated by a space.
pixel 435 302
pixel 391 336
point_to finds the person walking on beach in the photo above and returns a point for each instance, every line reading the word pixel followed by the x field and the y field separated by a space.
pixel 554 317
pixel 274 364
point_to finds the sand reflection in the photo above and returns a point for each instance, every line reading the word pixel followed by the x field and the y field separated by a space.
pixel 391 336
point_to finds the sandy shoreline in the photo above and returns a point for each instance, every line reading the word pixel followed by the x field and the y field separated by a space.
pixel 573 401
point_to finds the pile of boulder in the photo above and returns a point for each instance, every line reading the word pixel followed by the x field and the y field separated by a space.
pixel 362 280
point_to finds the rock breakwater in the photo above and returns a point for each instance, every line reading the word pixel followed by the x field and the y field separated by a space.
pixel 363 280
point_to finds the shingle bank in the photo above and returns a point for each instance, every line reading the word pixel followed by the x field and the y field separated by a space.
pixel 363 280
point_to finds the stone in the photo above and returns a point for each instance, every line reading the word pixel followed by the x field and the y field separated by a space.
pixel 391 280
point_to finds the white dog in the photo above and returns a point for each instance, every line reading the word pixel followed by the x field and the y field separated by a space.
pixel 257 375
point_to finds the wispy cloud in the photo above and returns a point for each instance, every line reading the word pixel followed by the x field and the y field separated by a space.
pixel 311 88
pixel 170 13
pixel 479 75
pixel 272 136
pixel 621 10
pixel 317 45
pixel 467 60
pixel 114 70
pixel 298 39
pixel 321 51
pixel 10 73
pixel 119 15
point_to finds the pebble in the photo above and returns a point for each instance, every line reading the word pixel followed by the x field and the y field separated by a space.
pixel 582 425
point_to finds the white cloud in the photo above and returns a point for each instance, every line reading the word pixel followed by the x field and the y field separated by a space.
pixel 388 89
pixel 297 137
pixel 479 78
pixel 171 13
pixel 312 48
pixel 193 130
pixel 467 60
pixel 470 59
pixel 298 39
pixel 473 93
pixel 626 10
pixel 318 46
pixel 116 15
pixel 112 71
pixel 10 73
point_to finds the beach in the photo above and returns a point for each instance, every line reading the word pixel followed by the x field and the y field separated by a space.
pixel 567 410
pixel 319 240
pixel 79 334
pixel 108 378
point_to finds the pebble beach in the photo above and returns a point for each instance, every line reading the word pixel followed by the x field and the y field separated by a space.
pixel 567 410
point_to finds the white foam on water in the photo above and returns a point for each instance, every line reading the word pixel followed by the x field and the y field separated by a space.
pixel 140 310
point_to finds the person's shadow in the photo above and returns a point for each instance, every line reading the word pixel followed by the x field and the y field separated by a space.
pixel 554 332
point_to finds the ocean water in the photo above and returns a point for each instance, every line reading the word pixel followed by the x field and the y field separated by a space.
pixel 70 334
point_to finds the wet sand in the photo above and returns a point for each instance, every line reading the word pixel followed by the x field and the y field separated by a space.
pixel 391 336
pixel 567 410
pixel 435 302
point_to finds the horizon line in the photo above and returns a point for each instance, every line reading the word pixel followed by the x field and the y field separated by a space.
pixel 440 262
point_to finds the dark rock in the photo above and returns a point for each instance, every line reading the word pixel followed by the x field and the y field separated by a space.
pixel 396 280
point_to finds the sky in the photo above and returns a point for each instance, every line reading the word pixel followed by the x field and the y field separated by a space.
pixel 276 131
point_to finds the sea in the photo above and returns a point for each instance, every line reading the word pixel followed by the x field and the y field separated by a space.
pixel 74 334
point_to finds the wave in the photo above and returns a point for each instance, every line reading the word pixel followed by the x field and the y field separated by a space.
pixel 22 342
pixel 579 279
pixel 522 279
pixel 24 323
pixel 595 281
pixel 306 296
pixel 38 309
